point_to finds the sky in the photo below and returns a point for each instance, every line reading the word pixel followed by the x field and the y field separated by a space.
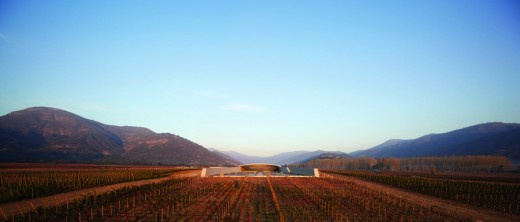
pixel 264 77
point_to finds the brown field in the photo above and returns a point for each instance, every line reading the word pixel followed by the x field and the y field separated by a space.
pixel 183 196
pixel 26 181
pixel 47 166
pixel 491 177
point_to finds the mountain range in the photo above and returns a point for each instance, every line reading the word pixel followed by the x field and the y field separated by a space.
pixel 43 134
pixel 482 139
pixel 280 159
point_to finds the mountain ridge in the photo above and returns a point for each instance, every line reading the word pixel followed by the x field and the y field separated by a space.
pixel 42 134
pixel 487 137
pixel 279 159
pixel 46 134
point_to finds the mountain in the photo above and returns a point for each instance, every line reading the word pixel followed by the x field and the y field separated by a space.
pixel 331 155
pixel 385 145
pixel 43 134
pixel 225 156
pixel 304 157
pixel 482 139
pixel 280 159
pixel 322 156
pixel 242 157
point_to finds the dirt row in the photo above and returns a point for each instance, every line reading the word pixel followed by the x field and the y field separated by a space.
pixel 24 206
pixel 21 207
pixel 481 214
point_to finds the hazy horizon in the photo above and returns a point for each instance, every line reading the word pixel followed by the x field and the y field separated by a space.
pixel 262 78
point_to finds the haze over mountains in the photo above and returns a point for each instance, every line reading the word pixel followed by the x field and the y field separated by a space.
pixel 281 159
pixel 482 139
pixel 42 134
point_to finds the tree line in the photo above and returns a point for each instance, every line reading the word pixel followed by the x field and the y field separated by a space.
pixel 416 164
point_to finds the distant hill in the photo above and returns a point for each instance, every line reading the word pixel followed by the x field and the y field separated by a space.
pixel 280 159
pixel 387 144
pixel 225 156
pixel 482 139
pixel 330 155
pixel 43 134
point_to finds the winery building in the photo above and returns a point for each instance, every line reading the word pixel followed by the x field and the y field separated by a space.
pixel 259 170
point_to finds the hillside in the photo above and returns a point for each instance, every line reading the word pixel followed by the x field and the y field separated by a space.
pixel 280 159
pixel 329 156
pixel 482 139
pixel 43 134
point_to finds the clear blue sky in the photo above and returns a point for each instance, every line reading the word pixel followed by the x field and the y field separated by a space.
pixel 262 77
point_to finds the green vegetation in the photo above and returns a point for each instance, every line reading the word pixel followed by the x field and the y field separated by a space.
pixel 30 183
pixel 501 197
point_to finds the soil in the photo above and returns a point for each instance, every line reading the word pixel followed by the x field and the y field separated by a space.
pixel 481 214
pixel 20 207
pixel 24 206
pixel 75 166
pixel 511 178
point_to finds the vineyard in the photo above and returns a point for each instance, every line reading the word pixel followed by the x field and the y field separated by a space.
pixel 502 197
pixel 30 183
pixel 243 199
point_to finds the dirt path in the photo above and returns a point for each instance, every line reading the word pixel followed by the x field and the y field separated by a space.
pixel 481 214
pixel 275 198
pixel 24 206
